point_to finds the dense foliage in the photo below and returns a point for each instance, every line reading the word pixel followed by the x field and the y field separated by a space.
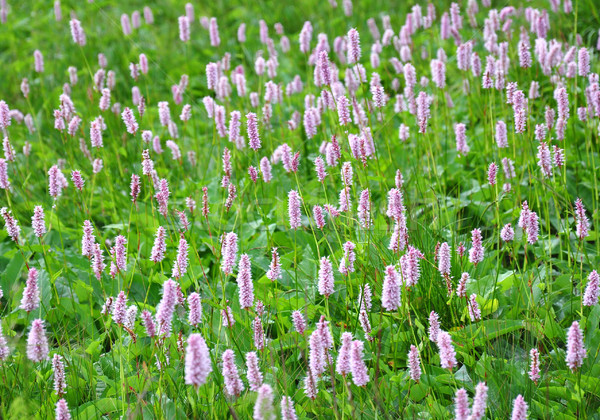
pixel 299 209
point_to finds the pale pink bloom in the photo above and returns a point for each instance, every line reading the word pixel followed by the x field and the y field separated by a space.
pixel 592 290
pixel 360 374
pixel 534 365
pixel 461 405
pixel 342 366
pixel 576 351
pixel 244 281
pixel 37 343
pixel 255 377
pixel 37 221
pixel 326 280
pixel 519 405
pixel 390 296
pixel 197 361
pixel 446 350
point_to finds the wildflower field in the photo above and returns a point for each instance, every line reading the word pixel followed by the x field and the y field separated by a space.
pixel 308 209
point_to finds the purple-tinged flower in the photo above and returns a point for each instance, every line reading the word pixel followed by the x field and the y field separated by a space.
pixel 345 200
pixel 195 309
pixel 360 374
pixel 129 120
pixel 31 293
pixel 583 61
pixel 274 271
pixel 444 260
pixel 446 349
pixel 326 281
pixel 229 252
pixel 294 212
pixel 213 32
pixel 166 307
pixel 461 405
pixel 255 377
pixel 160 247
pixel 365 297
pixel 227 317
pixel 532 227
pixel 180 266
pixel 11 224
pixel 342 365
pixel 320 168
pixel 545 159
pixel 62 410
pixel 288 412
pixel 108 306
pixel 423 112
pixel 96 134
pixel 149 324
pixel 317 354
pixel 318 216
pixel 353 46
pixel 197 361
pixel 474 311
pixel 343 110
pixel 164 114
pixel 583 224
pixel 244 281
pixel 395 208
pixel 519 409
pixel 364 209
pixel 77 32
pixel 524 54
pixel 56 182
pixel 438 73
pixel 259 334
pixel 461 138
pixel 575 347
pixel 4 350
pixel 461 250
pixel 562 101
pixel 252 130
pixel 299 322
pixel 559 156
pixel 130 317
pixel 77 180
pixel 263 407
pixel 390 296
pixel 501 138
pixel 310 385
pixel 476 253
pixel 233 384
pixel 4 181
pixel 134 187
pixel 184 28
pixel 479 401
pixel 37 343
pixel 534 365
pixel 492 172
pixel 434 326
pixel 414 363
pixel 58 370
pixel 507 233
pixel 347 261
pixel 37 221
pixel 119 308
pixel 592 290
pixel 97 262
pixel 461 290
pixel 363 317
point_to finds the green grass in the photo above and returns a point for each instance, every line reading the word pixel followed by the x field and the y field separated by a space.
pixel 528 294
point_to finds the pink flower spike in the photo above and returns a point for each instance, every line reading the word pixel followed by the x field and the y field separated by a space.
pixel 576 351
pixel 197 361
